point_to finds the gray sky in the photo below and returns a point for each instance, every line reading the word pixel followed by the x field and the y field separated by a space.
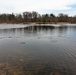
pixel 41 6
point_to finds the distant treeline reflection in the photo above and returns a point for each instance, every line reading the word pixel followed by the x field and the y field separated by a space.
pixel 34 30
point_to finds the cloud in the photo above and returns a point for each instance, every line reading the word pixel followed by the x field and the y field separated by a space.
pixel 58 4
pixel 36 5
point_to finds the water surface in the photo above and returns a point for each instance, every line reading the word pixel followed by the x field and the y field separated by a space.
pixel 38 49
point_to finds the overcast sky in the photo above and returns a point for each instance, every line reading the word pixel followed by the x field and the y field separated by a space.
pixel 41 6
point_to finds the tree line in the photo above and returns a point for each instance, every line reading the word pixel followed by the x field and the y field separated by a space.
pixel 35 17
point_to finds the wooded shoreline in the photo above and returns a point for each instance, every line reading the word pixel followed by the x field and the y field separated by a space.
pixel 36 18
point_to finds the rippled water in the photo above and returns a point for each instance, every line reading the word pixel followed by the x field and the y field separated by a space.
pixel 38 49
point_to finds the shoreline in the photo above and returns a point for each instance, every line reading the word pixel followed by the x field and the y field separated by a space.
pixel 40 23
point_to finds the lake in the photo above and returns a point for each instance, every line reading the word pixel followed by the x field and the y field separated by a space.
pixel 45 49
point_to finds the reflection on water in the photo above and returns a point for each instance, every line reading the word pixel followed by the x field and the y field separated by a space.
pixel 38 50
